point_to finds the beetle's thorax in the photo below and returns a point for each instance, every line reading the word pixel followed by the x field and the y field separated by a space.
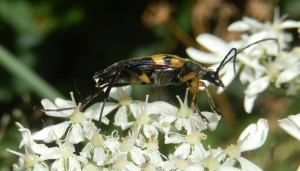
pixel 192 66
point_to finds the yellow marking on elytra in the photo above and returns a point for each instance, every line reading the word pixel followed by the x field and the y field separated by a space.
pixel 178 63
pixel 144 78
pixel 159 59
pixel 175 61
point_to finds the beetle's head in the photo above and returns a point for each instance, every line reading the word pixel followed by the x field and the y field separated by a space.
pixel 213 77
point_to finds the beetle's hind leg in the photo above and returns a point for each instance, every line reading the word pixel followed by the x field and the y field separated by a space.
pixel 90 98
pixel 108 87
pixel 131 69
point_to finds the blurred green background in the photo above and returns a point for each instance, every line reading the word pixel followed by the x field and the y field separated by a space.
pixel 49 48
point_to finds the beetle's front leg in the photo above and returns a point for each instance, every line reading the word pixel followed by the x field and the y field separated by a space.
pixel 194 89
pixel 210 100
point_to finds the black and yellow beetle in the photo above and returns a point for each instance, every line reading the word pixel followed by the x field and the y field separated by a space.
pixel 161 70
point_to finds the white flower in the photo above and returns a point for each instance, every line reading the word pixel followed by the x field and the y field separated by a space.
pixel 187 158
pixel 289 66
pixel 145 117
pixel 251 138
pixel 143 112
pixel 51 133
pixel 191 139
pixel 31 158
pixel 95 148
pixel 187 118
pixel 152 153
pixel 64 157
pixel 291 125
pixel 80 123
pixel 219 49
pixel 118 93
pixel 261 30
pixel 211 159
pixel 259 69
pixel 123 164
pixel 29 161
pixel 28 141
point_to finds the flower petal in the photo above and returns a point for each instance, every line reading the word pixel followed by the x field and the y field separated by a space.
pixel 254 135
pixel 162 108
pixel 48 105
pixel 173 138
pixel 213 43
pixel 239 26
pixel 28 141
pixel 183 151
pixel 100 156
pixel 74 164
pixel 137 156
pixel 76 134
pixel 150 131
pixel 206 58
pixel 121 118
pixel 257 86
pixel 62 103
pixel 115 92
pixel 254 24
pixel 246 75
pixel 248 165
pixel 287 75
pixel 93 112
pixel 51 133
pixel 213 119
pixel 289 24
pixel 249 103
pixel 57 165
pixel 291 125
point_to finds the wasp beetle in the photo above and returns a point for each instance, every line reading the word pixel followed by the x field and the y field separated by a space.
pixel 162 70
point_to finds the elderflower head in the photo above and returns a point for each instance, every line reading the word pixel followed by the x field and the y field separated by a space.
pixel 256 64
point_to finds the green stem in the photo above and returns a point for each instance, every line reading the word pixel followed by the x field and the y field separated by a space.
pixel 18 69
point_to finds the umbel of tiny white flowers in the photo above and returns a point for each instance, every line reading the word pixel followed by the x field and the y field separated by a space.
pixel 140 148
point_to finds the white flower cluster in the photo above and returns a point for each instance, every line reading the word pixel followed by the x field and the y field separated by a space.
pixel 151 130
pixel 259 65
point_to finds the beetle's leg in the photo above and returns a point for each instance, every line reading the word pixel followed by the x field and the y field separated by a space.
pixel 91 97
pixel 129 68
pixel 108 89
pixel 194 89
pixel 210 100
pixel 138 73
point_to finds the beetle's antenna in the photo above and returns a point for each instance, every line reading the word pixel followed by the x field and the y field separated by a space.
pixel 236 52
pixel 224 62
pixel 77 90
